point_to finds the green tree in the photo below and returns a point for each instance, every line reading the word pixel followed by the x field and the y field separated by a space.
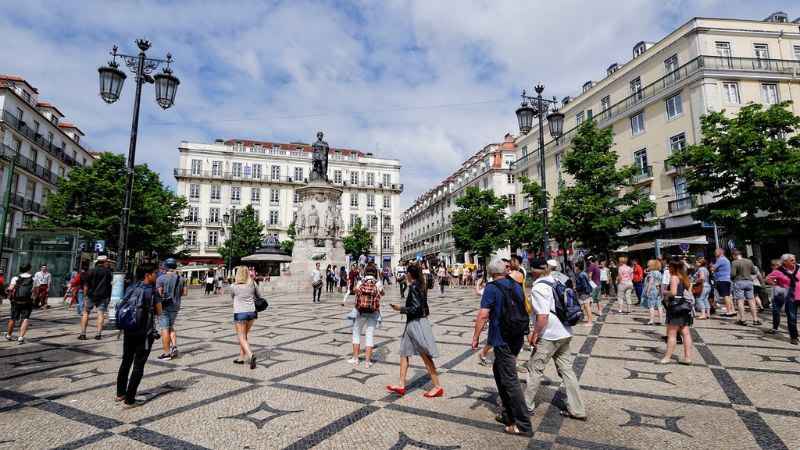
pixel 359 240
pixel 287 246
pixel 91 198
pixel 525 228
pixel 480 225
pixel 750 165
pixel 601 201
pixel 244 236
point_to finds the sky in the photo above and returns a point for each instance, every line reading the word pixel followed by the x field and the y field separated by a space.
pixel 426 82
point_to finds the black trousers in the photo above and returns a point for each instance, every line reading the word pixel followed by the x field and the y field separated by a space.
pixel 505 377
pixel 317 293
pixel 402 285
pixel 135 350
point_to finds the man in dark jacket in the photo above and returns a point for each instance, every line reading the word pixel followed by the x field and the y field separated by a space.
pixel 96 294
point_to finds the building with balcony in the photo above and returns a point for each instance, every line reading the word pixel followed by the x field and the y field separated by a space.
pixel 654 101
pixel 426 230
pixel 219 178
pixel 37 148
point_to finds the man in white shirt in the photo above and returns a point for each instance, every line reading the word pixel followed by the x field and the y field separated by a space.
pixel 550 339
pixel 41 287
pixel 316 283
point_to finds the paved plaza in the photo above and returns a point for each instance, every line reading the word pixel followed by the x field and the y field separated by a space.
pixel 58 392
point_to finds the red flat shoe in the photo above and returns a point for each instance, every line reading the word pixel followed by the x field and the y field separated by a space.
pixel 438 393
pixel 397 390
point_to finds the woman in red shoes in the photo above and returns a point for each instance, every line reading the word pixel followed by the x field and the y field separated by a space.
pixel 418 336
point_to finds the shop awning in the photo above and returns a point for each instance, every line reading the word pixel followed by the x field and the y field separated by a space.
pixel 691 240
pixel 267 257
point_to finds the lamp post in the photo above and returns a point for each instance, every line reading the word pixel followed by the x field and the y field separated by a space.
pixel 538 106
pixel 111 81
pixel 231 218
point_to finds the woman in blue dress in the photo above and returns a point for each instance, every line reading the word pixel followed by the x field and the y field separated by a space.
pixel 651 293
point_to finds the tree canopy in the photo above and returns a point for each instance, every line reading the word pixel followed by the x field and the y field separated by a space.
pixel 358 242
pixel 91 198
pixel 525 228
pixel 479 224
pixel 750 165
pixel 244 236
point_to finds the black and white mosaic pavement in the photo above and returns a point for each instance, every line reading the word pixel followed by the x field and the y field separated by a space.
pixel 742 392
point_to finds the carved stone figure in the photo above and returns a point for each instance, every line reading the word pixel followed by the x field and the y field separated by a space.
pixel 319 170
pixel 339 223
pixel 300 223
pixel 330 221
pixel 313 221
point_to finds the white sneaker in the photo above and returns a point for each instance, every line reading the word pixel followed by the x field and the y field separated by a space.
pixel 20 339
pixel 9 337
pixel 353 361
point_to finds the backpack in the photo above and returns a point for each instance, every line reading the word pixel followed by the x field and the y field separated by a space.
pixel 133 312
pixel 514 318
pixel 170 294
pixel 368 299
pixel 567 308
pixel 23 290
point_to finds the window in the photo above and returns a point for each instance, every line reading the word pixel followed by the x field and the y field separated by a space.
pixel 298 174
pixel 353 177
pixel 723 49
pixel 275 172
pixel 354 220
pixel 337 176
pixel 671 68
pixel 387 179
pixel 731 93
pixel 512 199
pixel 674 106
pixel 213 238
pixel 216 168
pixel 586 86
pixel 681 190
pixel 191 238
pixel 236 169
pixel 605 103
pixel 194 214
pixel 524 150
pixel 797 52
pixel 274 196
pixel 297 197
pixel 640 160
pixel 486 183
pixel 589 114
pixel 637 123
pixel 273 218
pixel 387 242
pixel 213 215
pixel 636 89
pixel 387 201
pixel 370 179
pixel 639 48
pixel 579 118
pixel 236 194
pixel 197 166
pixel 216 191
pixel 257 171
pixel 255 195
pixel 677 143
pixel 49 133
pixel 769 93
pixel 370 200
pixel 194 192
pixel 354 199
pixel 510 178
pixel 761 52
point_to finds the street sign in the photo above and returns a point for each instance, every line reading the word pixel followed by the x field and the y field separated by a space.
pixel 99 246
pixel 684 247
pixel 731 244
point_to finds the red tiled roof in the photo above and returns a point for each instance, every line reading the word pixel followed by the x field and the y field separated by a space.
pixel 290 147
pixel 68 125
pixel 18 78
pixel 49 106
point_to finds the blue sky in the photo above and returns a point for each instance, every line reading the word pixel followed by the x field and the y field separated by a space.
pixel 426 82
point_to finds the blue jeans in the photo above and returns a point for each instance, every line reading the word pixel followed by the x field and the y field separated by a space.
pixel 701 302
pixel 80 302
pixel 778 302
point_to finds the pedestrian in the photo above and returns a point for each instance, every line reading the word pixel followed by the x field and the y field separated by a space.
pixel 624 285
pixel 498 299
pixel 342 278
pixel 97 295
pixel 442 276
pixel 679 304
pixel 2 286
pixel 316 284
pixel 742 271
pixel 605 279
pixel 244 292
pixel 387 275
pixel 651 292
pixel 784 278
pixel 427 276
pixel 210 280
pixel 136 344
pixel 170 287
pixel 20 292
pixel 594 275
pixel 41 287
pixel 638 280
pixel 759 293
pixel 417 336
pixel 702 277
pixel 352 282
pixel 400 276
pixel 584 290
pixel 722 280
pixel 367 315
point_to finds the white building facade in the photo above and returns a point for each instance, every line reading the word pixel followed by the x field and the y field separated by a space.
pixel 426 228
pixel 224 176
pixel 45 147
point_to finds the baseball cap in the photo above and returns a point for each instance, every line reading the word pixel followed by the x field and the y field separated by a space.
pixel 552 263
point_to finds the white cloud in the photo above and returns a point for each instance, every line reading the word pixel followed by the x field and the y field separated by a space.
pixel 372 75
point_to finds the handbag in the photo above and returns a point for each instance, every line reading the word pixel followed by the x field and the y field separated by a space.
pixel 697 288
pixel 677 305
pixel 260 302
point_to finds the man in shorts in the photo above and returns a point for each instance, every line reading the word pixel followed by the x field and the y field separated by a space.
pixel 170 288
pixel 96 294
pixel 742 271
pixel 20 292
pixel 722 280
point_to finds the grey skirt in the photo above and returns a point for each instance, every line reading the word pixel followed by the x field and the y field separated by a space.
pixel 418 339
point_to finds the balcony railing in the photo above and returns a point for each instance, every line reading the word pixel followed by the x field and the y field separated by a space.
pixel 643 175
pixel 28 164
pixel 195 221
pixel 23 129
pixel 214 222
pixel 191 246
pixel 682 204
pixel 667 83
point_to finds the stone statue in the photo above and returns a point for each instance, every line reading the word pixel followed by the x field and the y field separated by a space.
pixel 271 241
pixel 339 225
pixel 330 221
pixel 319 170
pixel 300 223
pixel 313 221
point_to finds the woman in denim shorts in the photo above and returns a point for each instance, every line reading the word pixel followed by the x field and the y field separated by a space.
pixel 243 292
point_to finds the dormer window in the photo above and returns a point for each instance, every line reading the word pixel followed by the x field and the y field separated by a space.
pixel 639 49
pixel 612 68
pixel 777 17
pixel 588 85
pixel 54 119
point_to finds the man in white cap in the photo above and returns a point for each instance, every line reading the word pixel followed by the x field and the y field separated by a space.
pixel 550 339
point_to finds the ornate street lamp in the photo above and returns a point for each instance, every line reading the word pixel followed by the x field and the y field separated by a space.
pixel 525 115
pixel 111 81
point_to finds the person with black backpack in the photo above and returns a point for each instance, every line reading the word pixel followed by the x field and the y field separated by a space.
pixel 503 307
pixel 171 288
pixel 20 292
pixel 557 310
pixel 136 318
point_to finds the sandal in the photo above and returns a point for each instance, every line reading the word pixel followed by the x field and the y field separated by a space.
pixel 401 391
pixel 565 413
pixel 252 361
pixel 437 393
pixel 238 361
pixel 512 429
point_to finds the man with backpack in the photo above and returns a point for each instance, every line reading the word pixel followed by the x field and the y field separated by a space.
pixel 96 294
pixel 20 292
pixel 503 307
pixel 557 309
pixel 136 318
pixel 171 288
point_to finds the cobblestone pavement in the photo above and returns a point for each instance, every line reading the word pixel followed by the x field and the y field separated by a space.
pixel 57 392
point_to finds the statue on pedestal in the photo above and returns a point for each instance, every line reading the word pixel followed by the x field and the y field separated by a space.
pixel 330 221
pixel 313 221
pixel 300 224
pixel 319 161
